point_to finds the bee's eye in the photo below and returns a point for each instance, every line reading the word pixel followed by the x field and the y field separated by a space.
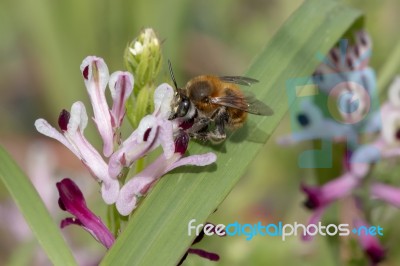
pixel 183 107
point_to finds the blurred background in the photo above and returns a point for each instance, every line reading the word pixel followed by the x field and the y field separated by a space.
pixel 42 45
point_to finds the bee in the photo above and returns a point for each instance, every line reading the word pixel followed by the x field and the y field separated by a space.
pixel 208 105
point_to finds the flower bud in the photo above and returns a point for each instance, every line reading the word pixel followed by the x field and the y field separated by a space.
pixel 143 58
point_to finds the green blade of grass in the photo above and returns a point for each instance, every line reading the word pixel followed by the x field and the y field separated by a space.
pixel 34 211
pixel 157 233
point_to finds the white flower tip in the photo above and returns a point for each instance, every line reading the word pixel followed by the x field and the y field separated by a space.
pixel 119 75
pixel 126 203
pixel 202 159
pixel 78 118
pixel 163 97
pixel 42 126
pixel 212 157
pixel 110 191
pixel 94 67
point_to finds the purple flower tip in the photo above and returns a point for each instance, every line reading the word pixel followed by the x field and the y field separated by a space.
pixel 181 143
pixel 61 205
pixel 63 120
pixel 313 198
pixel 69 221
pixel 85 72
pixel 146 134
pixel 186 124
pixel 70 194
pixel 72 200
pixel 376 254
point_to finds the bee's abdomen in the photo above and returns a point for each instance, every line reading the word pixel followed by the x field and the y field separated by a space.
pixel 236 118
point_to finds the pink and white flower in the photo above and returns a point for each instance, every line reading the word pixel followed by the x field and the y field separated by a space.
pixel 140 184
pixel 72 126
pixel 153 130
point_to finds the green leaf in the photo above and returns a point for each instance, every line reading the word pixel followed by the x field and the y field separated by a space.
pixel 157 233
pixel 34 211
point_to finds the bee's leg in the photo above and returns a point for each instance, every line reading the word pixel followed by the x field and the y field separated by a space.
pixel 199 129
pixel 200 125
pixel 221 119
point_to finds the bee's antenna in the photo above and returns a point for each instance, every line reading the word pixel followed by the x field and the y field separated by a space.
pixel 171 72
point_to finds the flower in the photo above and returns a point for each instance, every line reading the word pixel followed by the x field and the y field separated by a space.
pixel 324 195
pixel 347 63
pixel 72 200
pixel 386 193
pixel 370 244
pixel 72 126
pixel 153 130
pixel 143 57
pixel 95 74
pixel 319 198
pixel 140 184
pixel 121 87
pixel 311 121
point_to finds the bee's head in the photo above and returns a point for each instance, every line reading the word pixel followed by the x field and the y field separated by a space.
pixel 180 105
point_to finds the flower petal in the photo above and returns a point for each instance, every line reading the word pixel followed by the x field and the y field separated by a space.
pixel 314 219
pixel 197 160
pixel 71 198
pixel 163 96
pixel 96 75
pixel 139 185
pixel 110 191
pixel 166 137
pixel 363 157
pixel 337 188
pixel 42 126
pixel 386 193
pixel 78 118
pixel 370 244
pixel 121 86
pixel 142 141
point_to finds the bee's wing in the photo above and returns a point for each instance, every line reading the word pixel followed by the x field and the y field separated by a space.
pixel 238 80
pixel 247 103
